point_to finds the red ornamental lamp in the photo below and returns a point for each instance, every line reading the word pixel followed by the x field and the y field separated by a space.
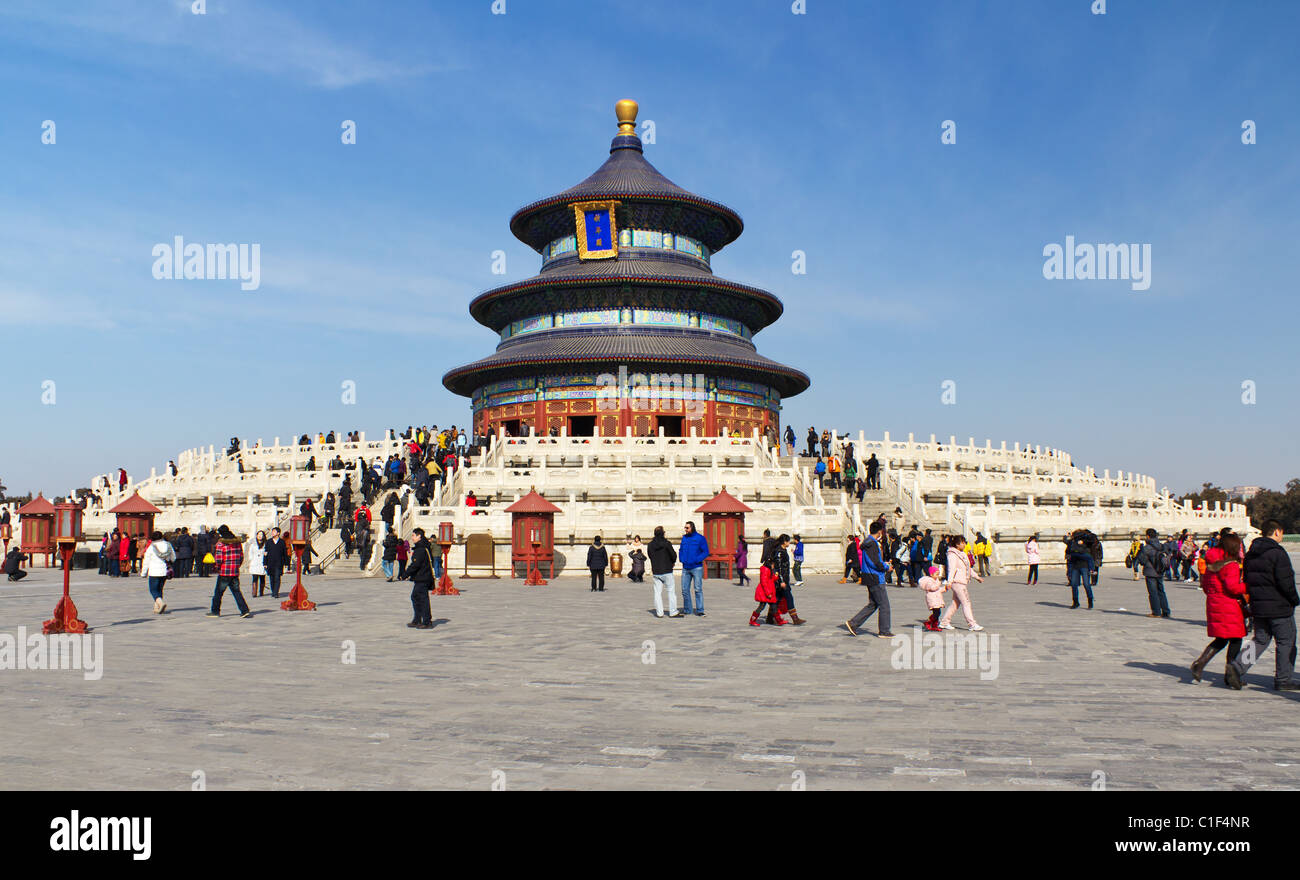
pixel 67 534
pixel 6 535
pixel 446 537
pixel 297 600
pixel 535 578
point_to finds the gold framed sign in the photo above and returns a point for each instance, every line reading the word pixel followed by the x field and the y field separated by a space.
pixel 597 229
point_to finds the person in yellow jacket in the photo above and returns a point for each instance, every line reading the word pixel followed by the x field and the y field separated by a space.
pixel 1133 550
pixel 982 550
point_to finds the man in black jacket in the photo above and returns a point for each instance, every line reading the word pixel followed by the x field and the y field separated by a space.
pixel 420 571
pixel 1151 558
pixel 277 553
pixel 597 559
pixel 663 559
pixel 184 547
pixel 1270 581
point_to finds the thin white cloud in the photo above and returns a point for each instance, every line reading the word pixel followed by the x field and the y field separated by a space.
pixel 232 33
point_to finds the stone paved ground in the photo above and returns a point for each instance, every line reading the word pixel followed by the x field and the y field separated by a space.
pixel 547 688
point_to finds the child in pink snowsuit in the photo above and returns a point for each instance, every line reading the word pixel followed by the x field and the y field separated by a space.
pixel 959 575
pixel 934 589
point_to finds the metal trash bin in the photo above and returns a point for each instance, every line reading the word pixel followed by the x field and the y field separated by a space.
pixel 615 564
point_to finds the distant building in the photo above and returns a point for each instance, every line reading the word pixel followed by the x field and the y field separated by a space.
pixel 1245 493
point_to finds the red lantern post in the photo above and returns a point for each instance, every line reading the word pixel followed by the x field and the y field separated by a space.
pixel 535 578
pixel 297 600
pixel 67 533
pixel 6 534
pixel 446 537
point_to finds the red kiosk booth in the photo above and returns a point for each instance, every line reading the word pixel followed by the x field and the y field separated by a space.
pixel 135 517
pixel 37 523
pixel 532 535
pixel 724 522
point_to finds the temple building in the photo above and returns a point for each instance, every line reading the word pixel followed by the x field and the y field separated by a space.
pixel 626 327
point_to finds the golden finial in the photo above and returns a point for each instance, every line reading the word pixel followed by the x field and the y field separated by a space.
pixel 626 110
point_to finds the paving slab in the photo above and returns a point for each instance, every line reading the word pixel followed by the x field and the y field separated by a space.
pixel 556 687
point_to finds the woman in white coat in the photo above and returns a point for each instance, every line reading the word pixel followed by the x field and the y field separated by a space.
pixel 158 556
pixel 1032 554
pixel 257 562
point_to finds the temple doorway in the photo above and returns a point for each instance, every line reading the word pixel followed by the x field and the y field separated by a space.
pixel 671 425
pixel 582 426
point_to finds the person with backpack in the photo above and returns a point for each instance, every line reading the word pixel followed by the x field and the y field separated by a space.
pixel 789 439
pixel 1270 582
pixel 1154 558
pixel 1078 566
pixel 1130 561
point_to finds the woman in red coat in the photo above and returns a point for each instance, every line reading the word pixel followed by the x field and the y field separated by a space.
pixel 1225 595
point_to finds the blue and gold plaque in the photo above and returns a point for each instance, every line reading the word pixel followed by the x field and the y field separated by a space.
pixel 596 230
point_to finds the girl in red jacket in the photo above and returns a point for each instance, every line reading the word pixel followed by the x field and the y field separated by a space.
pixel 1225 595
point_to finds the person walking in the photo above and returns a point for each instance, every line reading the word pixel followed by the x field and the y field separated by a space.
pixel 798 561
pixel 421 573
pixel 346 534
pixel 873 567
pixel 1034 557
pixel 1225 598
pixel 155 565
pixel 694 550
pixel 257 563
pixel 852 560
pixel 742 556
pixel 773 582
pixel 229 555
pixel 1078 566
pixel 1154 560
pixel 873 472
pixel 403 556
pixel 663 558
pixel 1270 583
pixel 1131 561
pixel 819 471
pixel 389 558
pixel 597 560
pixel 959 575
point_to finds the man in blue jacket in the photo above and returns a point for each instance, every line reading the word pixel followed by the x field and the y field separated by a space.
pixel 873 569
pixel 692 553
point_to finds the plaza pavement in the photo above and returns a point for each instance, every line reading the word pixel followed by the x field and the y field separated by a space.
pixel 547 687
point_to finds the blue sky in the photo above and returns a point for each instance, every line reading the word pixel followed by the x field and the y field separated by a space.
pixel 924 260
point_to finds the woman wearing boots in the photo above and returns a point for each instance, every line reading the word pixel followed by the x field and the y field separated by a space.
pixel 1225 595
pixel 257 563
pixel 785 590
pixel 773 582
